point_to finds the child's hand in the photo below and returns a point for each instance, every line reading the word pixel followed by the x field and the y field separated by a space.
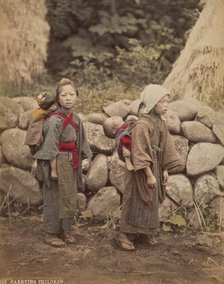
pixel 150 178
pixel 165 176
pixel 151 181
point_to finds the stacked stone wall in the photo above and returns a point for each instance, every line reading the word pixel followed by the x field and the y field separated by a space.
pixel 196 190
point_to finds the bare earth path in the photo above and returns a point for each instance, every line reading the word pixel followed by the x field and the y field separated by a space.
pixel 96 258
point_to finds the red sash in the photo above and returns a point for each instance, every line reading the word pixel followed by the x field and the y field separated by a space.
pixel 70 147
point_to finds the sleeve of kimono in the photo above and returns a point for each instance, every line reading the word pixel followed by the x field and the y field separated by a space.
pixel 141 145
pixel 171 159
pixel 85 148
pixel 34 132
pixel 49 147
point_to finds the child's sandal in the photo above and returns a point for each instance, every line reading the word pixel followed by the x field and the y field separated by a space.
pixel 54 241
pixel 68 239
pixel 124 242
pixel 152 241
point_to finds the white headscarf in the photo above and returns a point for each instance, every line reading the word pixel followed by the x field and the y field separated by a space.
pixel 151 95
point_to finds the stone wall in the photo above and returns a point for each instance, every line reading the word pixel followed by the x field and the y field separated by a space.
pixel 197 190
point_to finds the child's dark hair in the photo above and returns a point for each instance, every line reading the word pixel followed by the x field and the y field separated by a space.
pixel 64 82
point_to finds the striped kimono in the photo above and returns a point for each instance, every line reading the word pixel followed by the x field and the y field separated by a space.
pixel 68 144
pixel 151 147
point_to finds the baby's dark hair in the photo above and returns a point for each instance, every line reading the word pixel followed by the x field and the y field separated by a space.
pixel 64 82
pixel 45 100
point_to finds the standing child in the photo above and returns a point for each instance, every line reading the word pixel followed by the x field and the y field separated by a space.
pixel 153 155
pixel 59 165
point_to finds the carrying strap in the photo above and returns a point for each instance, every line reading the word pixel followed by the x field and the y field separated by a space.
pixel 67 119
pixel 145 121
pixel 68 146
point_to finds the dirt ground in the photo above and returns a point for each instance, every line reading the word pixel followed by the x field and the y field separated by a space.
pixel 96 258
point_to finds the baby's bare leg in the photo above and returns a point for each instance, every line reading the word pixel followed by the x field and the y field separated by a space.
pixel 53 164
pixel 127 157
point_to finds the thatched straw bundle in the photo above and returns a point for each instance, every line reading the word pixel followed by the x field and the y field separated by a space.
pixel 24 36
pixel 199 71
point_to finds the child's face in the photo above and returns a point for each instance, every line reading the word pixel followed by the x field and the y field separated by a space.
pixel 67 97
pixel 162 106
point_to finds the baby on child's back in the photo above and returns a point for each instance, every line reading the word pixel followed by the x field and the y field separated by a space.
pixel 115 127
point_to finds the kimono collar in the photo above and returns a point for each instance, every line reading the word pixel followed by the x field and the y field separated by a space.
pixel 62 110
pixel 151 117
pixel 151 95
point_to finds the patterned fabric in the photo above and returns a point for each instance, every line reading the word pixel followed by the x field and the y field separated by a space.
pixel 123 137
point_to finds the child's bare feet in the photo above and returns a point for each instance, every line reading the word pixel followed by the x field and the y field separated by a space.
pixel 68 238
pixel 125 242
pixel 53 240
pixel 152 240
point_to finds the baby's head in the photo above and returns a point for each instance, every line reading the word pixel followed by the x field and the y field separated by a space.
pixel 45 100
pixel 154 98
pixel 111 124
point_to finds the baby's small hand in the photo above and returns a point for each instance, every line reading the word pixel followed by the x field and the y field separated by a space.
pixel 126 152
